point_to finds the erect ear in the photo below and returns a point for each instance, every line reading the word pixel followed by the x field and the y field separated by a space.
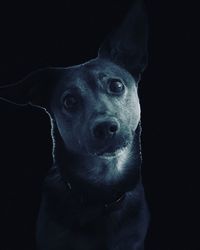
pixel 33 89
pixel 127 46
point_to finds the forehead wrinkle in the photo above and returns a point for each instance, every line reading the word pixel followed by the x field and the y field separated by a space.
pixel 97 73
pixel 89 79
pixel 108 70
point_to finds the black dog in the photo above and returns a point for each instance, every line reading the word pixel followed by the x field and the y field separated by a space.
pixel 93 196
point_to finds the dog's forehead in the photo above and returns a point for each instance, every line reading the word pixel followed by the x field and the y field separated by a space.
pixel 91 73
pixel 100 68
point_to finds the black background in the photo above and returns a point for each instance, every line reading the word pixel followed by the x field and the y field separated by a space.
pixel 38 34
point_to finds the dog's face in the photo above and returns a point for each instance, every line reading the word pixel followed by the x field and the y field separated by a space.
pixel 96 109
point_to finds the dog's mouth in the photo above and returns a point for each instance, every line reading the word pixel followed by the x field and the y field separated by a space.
pixel 117 153
pixel 113 152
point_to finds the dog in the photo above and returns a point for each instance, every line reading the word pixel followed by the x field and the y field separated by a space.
pixel 93 196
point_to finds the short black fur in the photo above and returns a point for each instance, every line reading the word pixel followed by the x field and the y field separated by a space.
pixel 93 196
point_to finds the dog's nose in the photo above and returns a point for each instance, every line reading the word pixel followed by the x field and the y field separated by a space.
pixel 105 129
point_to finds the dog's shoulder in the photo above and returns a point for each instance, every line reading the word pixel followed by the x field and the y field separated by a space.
pixel 54 188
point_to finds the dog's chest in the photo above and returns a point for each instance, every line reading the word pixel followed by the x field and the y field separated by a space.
pixel 69 225
pixel 95 231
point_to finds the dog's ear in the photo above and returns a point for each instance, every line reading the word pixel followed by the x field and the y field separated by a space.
pixel 127 46
pixel 33 89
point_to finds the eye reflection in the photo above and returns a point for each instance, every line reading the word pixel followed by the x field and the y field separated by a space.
pixel 116 86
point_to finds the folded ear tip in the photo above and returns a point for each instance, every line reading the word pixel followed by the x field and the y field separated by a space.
pixel 20 92
pixel 14 101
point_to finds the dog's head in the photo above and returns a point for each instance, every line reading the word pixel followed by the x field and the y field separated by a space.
pixel 94 105
pixel 96 109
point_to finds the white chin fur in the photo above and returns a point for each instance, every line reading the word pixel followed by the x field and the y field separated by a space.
pixel 119 152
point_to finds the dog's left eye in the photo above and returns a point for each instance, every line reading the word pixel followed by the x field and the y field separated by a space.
pixel 116 86
pixel 70 102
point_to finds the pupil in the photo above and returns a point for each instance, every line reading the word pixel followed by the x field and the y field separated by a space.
pixel 116 86
pixel 70 102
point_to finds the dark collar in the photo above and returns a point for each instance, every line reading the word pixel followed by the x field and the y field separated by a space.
pixel 116 204
pixel 107 206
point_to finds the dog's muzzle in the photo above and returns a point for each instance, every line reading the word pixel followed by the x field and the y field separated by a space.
pixel 105 129
pixel 108 138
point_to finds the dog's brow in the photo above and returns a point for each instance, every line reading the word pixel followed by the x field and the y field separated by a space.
pixel 90 79
pixel 74 89
pixel 101 75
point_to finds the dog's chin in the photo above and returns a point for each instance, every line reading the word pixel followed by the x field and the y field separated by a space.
pixel 112 152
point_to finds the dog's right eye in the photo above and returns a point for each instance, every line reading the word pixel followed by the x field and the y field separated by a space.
pixel 116 86
pixel 71 102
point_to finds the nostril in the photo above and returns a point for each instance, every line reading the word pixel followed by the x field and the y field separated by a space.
pixel 113 128
pixel 105 129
